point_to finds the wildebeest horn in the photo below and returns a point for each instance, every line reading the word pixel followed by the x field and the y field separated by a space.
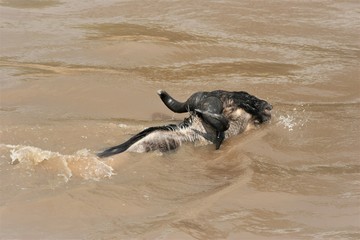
pixel 173 104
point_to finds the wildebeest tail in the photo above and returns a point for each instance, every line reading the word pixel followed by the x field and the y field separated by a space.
pixel 124 146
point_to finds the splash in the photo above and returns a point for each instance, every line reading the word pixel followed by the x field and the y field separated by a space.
pixel 290 122
pixel 82 163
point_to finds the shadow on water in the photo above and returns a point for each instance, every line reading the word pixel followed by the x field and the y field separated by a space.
pixel 29 3
pixel 136 32
pixel 199 71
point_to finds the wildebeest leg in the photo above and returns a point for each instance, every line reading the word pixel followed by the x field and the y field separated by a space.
pixel 210 110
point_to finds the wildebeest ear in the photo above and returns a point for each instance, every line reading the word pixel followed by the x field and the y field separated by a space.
pixel 210 109
pixel 215 120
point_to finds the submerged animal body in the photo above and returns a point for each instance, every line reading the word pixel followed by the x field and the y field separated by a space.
pixel 214 116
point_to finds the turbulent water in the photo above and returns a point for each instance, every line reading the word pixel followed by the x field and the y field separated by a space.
pixel 80 76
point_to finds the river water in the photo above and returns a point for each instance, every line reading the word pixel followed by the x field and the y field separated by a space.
pixel 79 76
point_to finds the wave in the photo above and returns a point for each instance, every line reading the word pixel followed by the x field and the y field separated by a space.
pixel 82 163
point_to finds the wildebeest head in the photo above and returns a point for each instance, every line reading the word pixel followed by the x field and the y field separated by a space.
pixel 258 108
pixel 216 102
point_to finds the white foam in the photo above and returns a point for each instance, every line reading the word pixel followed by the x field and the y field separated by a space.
pixel 287 122
pixel 295 120
pixel 82 163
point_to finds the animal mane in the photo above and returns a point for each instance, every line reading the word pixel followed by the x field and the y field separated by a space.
pixel 124 146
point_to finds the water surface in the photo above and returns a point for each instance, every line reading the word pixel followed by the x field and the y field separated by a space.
pixel 77 77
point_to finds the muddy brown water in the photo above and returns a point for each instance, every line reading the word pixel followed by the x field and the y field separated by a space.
pixel 79 76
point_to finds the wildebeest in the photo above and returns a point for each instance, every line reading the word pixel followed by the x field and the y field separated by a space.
pixel 213 117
